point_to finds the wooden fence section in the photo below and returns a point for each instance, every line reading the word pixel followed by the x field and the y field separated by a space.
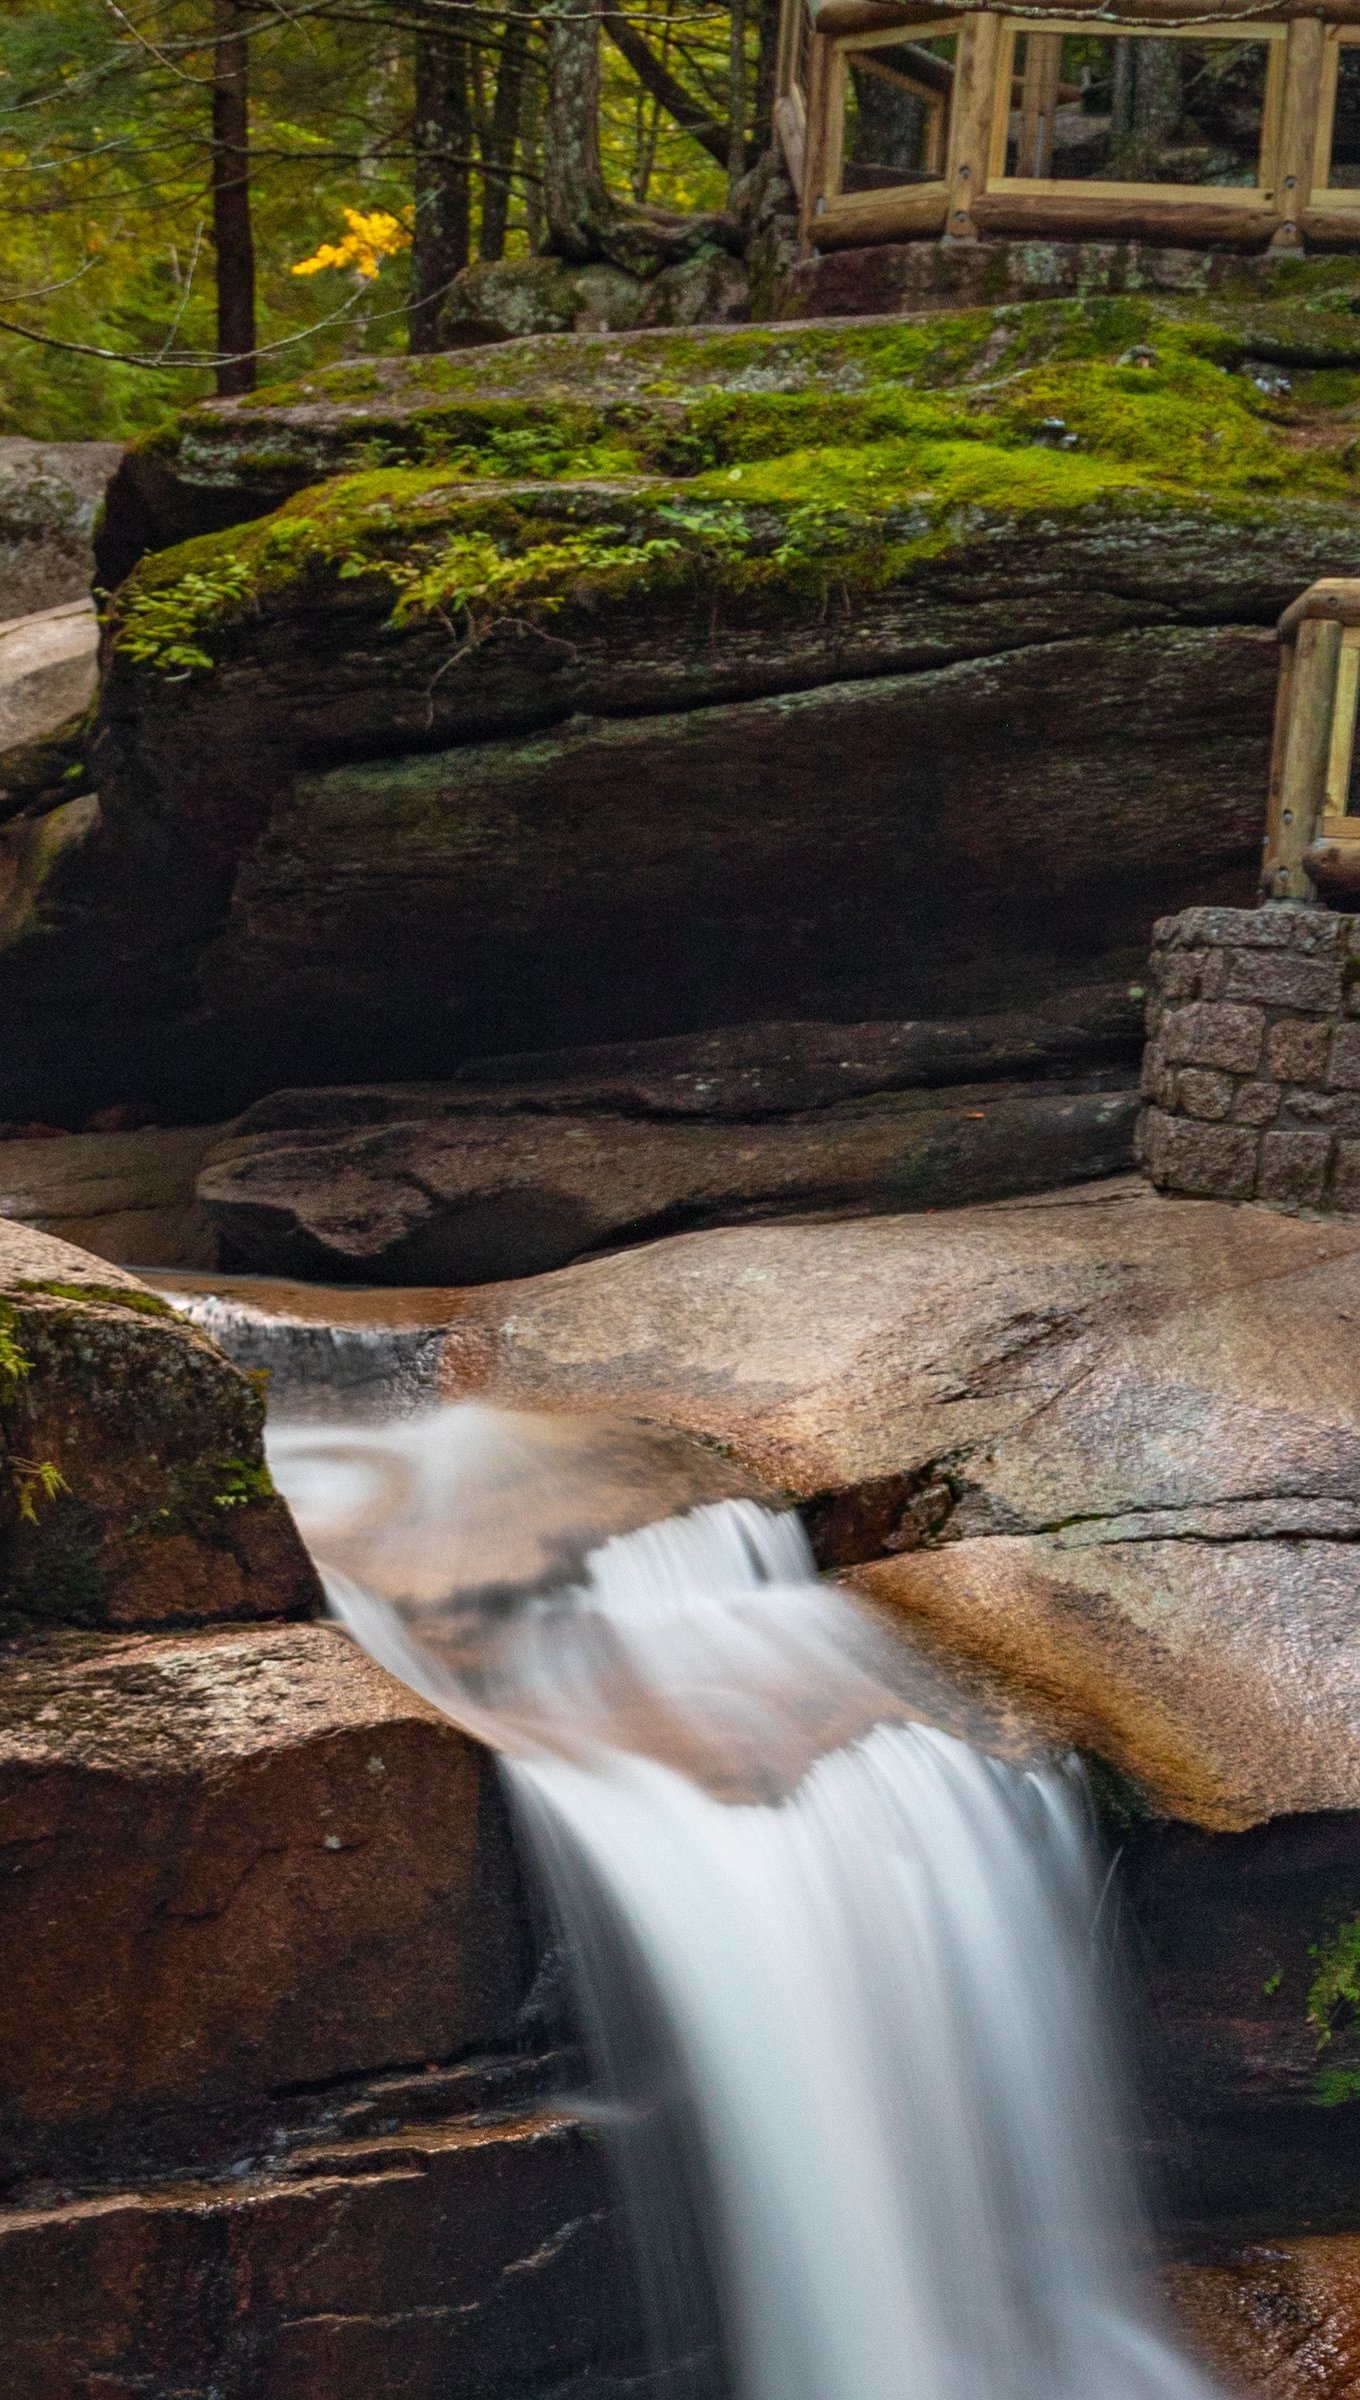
pixel 1199 123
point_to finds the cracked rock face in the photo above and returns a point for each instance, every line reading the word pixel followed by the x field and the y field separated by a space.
pixel 1108 1445
pixel 238 1860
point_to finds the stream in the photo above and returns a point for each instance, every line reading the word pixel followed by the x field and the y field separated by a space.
pixel 841 1972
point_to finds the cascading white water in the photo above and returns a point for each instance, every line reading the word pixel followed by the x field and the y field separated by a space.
pixel 836 1962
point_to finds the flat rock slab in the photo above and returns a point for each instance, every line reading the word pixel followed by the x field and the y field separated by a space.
pixel 298 1869
pixel 133 1489
pixel 47 670
pixel 128 1197
pixel 459 1193
pixel 1111 1444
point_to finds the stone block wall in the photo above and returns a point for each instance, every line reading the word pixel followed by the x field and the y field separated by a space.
pixel 1251 1075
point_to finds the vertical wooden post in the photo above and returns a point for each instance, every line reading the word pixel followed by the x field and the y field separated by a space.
pixel 1304 54
pixel 1303 747
pixel 975 100
pixel 822 156
pixel 1038 99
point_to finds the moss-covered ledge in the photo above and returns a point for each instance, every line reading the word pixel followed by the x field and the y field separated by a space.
pixel 692 402
pixel 133 1488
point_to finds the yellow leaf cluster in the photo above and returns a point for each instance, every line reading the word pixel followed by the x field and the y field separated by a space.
pixel 372 237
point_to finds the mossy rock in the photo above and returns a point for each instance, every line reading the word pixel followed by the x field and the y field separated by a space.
pixel 692 402
pixel 133 1488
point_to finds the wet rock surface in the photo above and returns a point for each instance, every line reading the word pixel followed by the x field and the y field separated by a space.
pixel 133 1489
pixel 1278 2320
pixel 465 2255
pixel 1081 1439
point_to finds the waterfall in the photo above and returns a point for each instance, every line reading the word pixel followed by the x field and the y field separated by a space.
pixel 837 1965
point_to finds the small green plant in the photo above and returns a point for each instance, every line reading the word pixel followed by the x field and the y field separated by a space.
pixel 1336 1984
pixel 240 1481
pixel 35 1479
pixel 1272 1982
pixel 161 626
pixel 32 1479
pixel 14 1364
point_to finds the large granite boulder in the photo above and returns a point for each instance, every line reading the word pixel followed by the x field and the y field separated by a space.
pixel 125 1195
pixel 133 1488
pixel 49 496
pixel 523 712
pixel 242 1860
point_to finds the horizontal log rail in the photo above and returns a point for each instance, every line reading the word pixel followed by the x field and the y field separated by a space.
pixel 988 103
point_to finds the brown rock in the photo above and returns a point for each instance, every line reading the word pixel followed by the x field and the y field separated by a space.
pixel 1279 2320
pixel 127 1196
pixel 458 2257
pixel 1214 1034
pixel 459 1196
pixel 1181 1377
pixel 1283 979
pixel 1296 1050
pixel 133 1489
pixel 1294 1168
pixel 47 667
pixel 1217 1162
pixel 1218 1665
pixel 1203 1092
pixel 236 1860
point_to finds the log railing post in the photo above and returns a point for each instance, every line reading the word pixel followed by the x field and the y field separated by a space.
pixel 975 99
pixel 1305 48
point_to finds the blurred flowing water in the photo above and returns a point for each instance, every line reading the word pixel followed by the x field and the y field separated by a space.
pixel 836 1964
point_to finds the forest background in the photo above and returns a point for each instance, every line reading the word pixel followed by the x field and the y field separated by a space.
pixel 200 194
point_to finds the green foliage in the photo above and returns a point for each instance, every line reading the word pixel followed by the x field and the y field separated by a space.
pixel 1333 2001
pixel 1336 1985
pixel 14 1363
pixel 239 1481
pixel 31 1480
pixel 159 626
pixel 34 1480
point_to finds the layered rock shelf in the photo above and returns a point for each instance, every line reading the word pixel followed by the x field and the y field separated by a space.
pixel 396 649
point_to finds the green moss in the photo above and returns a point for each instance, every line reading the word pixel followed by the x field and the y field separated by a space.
pixel 1333 2003
pixel 1336 1985
pixel 108 1295
pixel 725 482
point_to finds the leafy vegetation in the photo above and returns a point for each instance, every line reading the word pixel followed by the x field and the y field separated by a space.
pixel 112 255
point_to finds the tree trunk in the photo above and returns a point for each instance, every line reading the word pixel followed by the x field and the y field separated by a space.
pixel 736 97
pixel 232 240
pixel 585 221
pixel 767 60
pixel 531 150
pixel 1154 112
pixel 441 140
pixel 498 149
pixel 575 201
pixel 655 75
